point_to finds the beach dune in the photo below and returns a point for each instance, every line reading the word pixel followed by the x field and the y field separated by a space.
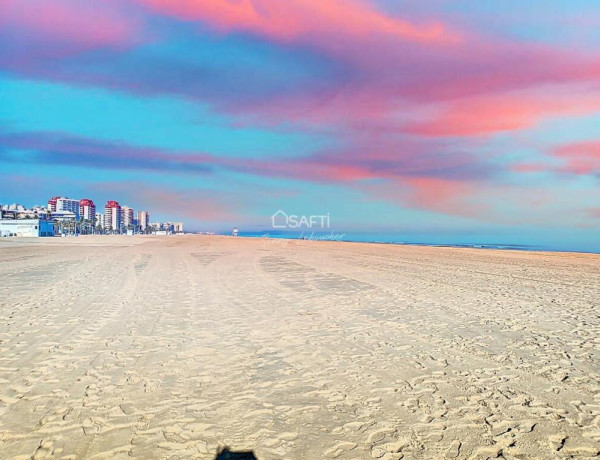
pixel 173 347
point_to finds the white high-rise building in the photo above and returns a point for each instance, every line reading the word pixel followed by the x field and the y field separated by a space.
pixel 87 210
pixel 112 216
pixel 126 217
pixel 143 220
pixel 67 205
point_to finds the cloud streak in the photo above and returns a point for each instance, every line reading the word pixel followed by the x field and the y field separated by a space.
pixel 420 179
pixel 304 20
pixel 580 158
pixel 72 24
pixel 62 149
pixel 350 66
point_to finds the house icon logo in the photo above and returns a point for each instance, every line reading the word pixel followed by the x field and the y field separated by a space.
pixel 279 219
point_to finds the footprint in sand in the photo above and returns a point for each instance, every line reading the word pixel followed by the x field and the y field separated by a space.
pixel 557 441
pixel 453 450
pixel 339 449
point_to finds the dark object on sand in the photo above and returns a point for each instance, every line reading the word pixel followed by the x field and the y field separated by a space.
pixel 227 454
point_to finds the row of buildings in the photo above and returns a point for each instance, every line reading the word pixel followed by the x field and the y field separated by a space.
pixel 115 219
pixel 69 216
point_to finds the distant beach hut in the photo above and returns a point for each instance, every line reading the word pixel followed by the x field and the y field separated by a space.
pixel 235 231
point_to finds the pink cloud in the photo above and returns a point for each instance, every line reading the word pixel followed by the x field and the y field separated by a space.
pixel 313 169
pixel 462 81
pixel 580 157
pixel 79 24
pixel 529 167
pixel 426 78
pixel 457 90
pixel 441 195
pixel 450 197
pixel 204 205
pixel 404 173
pixel 427 180
pixel 594 214
pixel 504 112
pixel 305 20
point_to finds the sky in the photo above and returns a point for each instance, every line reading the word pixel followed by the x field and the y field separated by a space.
pixel 438 121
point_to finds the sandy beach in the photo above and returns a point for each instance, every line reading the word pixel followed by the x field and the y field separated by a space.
pixel 170 347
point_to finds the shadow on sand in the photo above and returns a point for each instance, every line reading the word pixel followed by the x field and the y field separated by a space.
pixel 227 454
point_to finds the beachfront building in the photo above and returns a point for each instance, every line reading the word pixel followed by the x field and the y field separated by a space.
pixel 126 218
pixel 17 211
pixel 87 210
pixel 87 216
pixel 26 227
pixel 52 203
pixel 80 217
pixel 143 220
pixel 41 212
pixel 68 205
pixel 58 204
pixel 63 216
pixel 112 217
pixel 170 227
pixel 15 207
pixel 166 228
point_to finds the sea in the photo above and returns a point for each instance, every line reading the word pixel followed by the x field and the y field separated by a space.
pixel 389 238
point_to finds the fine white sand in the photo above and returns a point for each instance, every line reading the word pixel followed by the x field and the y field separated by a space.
pixel 169 347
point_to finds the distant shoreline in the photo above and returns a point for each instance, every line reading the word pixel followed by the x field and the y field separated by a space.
pixel 274 238
pixel 486 246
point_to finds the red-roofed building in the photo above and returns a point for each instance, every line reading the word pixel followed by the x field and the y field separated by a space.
pixel 112 216
pixel 87 210
pixel 52 203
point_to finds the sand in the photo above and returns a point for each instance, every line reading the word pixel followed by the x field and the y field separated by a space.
pixel 170 347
